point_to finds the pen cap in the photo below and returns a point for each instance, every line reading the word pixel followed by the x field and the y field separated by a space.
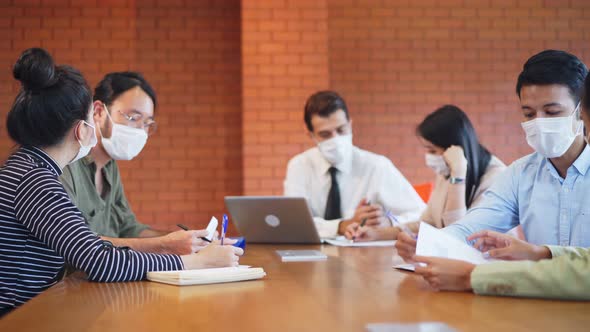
pixel 241 242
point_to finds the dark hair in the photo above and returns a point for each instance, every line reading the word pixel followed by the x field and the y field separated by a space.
pixel 449 125
pixel 115 84
pixel 323 103
pixel 586 95
pixel 51 100
pixel 554 67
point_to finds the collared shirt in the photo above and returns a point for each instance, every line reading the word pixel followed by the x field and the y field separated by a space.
pixel 435 213
pixel 41 229
pixel 551 210
pixel 563 277
pixel 367 175
pixel 109 215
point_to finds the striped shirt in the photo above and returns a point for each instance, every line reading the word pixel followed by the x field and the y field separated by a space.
pixel 41 229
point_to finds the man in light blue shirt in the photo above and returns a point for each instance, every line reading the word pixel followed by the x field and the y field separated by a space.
pixel 551 209
pixel 547 192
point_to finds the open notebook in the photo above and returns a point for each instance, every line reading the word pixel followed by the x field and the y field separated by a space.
pixel 207 276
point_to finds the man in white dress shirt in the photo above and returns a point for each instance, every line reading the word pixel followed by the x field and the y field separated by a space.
pixel 342 183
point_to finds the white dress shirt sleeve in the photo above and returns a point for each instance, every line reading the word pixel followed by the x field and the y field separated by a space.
pixel 396 194
pixel 327 228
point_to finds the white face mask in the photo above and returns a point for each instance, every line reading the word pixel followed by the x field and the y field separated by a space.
pixel 85 150
pixel 551 137
pixel 337 149
pixel 437 164
pixel 125 142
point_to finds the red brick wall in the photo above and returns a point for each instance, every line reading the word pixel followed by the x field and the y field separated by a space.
pixel 394 62
pixel 233 77
pixel 189 51
pixel 284 57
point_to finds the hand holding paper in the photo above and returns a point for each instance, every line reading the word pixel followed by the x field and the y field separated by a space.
pixel 435 243
pixel 445 262
pixel 504 246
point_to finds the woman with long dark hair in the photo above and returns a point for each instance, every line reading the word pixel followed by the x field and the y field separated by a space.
pixel 464 169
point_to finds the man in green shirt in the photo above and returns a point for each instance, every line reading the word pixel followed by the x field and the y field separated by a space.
pixel 124 105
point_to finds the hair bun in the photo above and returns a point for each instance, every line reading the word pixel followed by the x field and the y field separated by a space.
pixel 35 69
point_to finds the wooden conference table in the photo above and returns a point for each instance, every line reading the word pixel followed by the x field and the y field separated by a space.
pixel 355 286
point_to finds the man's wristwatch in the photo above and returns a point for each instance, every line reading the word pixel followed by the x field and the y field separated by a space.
pixel 454 180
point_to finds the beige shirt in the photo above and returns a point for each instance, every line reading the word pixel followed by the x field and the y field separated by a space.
pixel 435 213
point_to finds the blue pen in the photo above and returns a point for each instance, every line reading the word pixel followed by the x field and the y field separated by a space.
pixel 396 222
pixel 223 227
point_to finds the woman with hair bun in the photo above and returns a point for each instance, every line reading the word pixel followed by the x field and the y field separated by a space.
pixel 51 120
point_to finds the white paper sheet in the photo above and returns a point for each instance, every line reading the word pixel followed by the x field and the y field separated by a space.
pixel 341 241
pixel 405 267
pixel 436 243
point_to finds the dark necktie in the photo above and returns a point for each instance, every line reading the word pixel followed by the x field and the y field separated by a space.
pixel 333 205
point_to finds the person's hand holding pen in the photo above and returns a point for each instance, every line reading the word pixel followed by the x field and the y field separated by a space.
pixel 187 241
pixel 183 242
pixel 212 256
pixel 360 234
pixel 365 233
pixel 406 242
pixel 363 222
pixel 372 214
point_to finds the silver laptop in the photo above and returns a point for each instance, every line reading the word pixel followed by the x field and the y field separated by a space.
pixel 272 219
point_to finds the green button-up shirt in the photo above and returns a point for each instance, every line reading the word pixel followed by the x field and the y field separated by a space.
pixel 566 276
pixel 109 215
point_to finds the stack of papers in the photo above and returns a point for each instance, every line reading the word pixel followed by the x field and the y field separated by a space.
pixel 436 243
pixel 342 241
pixel 206 276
